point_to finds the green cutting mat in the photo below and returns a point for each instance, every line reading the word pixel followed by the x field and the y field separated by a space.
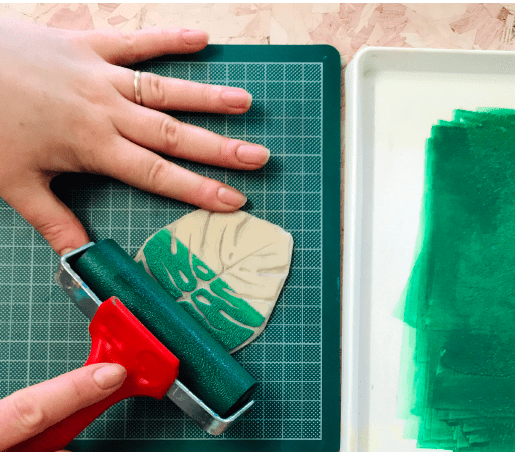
pixel 296 114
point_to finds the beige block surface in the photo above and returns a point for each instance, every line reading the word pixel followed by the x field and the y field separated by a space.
pixel 251 255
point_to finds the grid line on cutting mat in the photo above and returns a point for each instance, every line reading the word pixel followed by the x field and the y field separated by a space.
pixel 42 334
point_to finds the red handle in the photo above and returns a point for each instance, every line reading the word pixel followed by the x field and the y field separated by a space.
pixel 116 337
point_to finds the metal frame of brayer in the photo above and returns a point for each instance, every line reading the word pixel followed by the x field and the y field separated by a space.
pixel 88 303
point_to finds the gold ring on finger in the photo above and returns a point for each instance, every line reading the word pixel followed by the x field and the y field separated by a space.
pixel 137 86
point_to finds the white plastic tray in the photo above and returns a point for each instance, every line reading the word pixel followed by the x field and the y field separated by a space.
pixel 393 97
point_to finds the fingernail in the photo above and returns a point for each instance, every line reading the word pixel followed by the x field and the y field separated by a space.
pixel 109 376
pixel 232 197
pixel 66 251
pixel 252 154
pixel 236 98
pixel 193 37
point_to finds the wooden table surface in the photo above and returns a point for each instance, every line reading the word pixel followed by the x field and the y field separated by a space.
pixel 348 27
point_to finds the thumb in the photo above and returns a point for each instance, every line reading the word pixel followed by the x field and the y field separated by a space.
pixel 48 214
pixel 29 411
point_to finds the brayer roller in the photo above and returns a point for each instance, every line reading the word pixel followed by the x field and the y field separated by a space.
pixel 208 371
pixel 212 387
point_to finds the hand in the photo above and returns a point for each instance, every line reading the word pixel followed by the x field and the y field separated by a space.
pixel 68 107
pixel 29 411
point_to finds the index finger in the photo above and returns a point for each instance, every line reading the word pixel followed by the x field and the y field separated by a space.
pixel 129 48
pixel 29 411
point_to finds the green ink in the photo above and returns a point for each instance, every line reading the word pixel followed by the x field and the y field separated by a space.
pixel 237 308
pixel 174 272
pixel 158 253
pixel 202 271
pixel 228 333
pixel 157 266
pixel 460 299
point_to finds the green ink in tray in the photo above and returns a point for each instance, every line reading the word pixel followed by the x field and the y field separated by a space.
pixel 460 298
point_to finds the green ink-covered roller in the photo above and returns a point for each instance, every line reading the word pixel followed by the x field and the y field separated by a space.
pixel 206 368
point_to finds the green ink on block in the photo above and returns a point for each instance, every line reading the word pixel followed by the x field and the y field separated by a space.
pixel 460 298
pixel 237 307
pixel 160 267
pixel 228 333
pixel 228 318
pixel 201 270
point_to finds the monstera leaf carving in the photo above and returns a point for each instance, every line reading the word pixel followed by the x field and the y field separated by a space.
pixel 226 269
